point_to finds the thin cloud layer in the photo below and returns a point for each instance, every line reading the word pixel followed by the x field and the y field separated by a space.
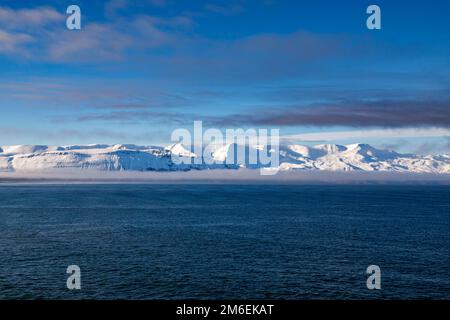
pixel 39 34
pixel 354 114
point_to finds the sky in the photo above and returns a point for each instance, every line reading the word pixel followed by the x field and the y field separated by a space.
pixel 137 70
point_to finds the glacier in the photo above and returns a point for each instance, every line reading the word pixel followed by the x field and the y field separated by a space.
pixel 293 157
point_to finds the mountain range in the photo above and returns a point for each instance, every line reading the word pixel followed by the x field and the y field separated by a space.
pixel 129 157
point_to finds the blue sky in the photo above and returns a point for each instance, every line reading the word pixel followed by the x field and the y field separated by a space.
pixel 139 69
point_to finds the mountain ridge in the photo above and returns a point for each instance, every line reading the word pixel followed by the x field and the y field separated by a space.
pixel 130 157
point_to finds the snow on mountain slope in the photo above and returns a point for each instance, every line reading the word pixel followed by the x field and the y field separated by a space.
pixel 109 158
pixel 358 157
pixel 115 160
pixel 304 151
pixel 179 150
pixel 330 148
pixel 234 156
pixel 128 157
pixel 5 164
pixel 86 147
pixel 26 149
pixel 369 153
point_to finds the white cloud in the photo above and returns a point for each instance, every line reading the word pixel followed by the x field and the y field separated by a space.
pixel 36 17
pixel 373 133
pixel 14 42
pixel 40 34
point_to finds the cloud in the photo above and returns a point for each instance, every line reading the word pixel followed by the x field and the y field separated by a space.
pixel 39 34
pixel 64 136
pixel 124 106
pixel 67 94
pixel 26 18
pixel 114 41
pixel 113 6
pixel 389 113
pixel 261 56
pixel 371 133
pixel 130 117
pixel 11 43
pixel 70 46
pixel 224 9
pixel 169 53
pixel 165 46
pixel 59 133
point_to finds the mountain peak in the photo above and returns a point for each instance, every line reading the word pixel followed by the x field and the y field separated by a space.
pixel 330 148
pixel 369 153
pixel 179 149
pixel 359 146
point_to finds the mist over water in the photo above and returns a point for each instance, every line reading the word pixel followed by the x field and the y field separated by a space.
pixel 218 176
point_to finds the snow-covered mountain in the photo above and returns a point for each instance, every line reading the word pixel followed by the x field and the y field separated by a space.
pixel 128 157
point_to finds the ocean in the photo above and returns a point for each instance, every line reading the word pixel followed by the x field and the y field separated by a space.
pixel 144 241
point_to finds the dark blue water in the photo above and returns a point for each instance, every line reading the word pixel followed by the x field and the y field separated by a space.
pixel 218 242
